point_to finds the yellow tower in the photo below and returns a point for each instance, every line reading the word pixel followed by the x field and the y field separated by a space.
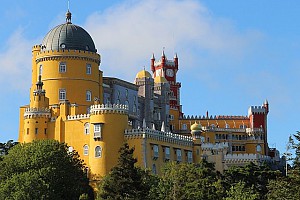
pixel 196 131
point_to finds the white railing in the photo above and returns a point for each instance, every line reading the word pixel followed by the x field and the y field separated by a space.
pixel 160 135
pixel 96 109
pixel 246 157
pixel 216 146
pixel 34 112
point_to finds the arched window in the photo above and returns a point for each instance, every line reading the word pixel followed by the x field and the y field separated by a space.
pixel 88 68
pixel 86 128
pixel 227 126
pixel 88 95
pixel 98 152
pixel 258 148
pixel 127 103
pixel 86 150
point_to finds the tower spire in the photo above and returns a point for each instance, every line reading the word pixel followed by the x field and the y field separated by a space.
pixel 68 14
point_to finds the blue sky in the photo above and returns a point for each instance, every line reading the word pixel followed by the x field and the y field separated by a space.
pixel 232 54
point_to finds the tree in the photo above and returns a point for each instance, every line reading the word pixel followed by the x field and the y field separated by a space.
pixel 43 169
pixel 4 147
pixel 240 192
pixel 285 188
pixel 125 180
pixel 189 181
pixel 253 176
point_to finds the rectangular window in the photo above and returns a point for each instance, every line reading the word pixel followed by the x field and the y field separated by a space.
pixel 184 127
pixel 62 67
pixel 62 94
pixel 88 69
pixel 178 154
pixel 155 151
pixel 40 70
pixel 97 130
pixel 45 131
pixel 36 130
pixel 27 131
pixel 167 153
pixel 190 157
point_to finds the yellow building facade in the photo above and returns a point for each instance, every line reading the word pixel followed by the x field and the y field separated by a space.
pixel 71 102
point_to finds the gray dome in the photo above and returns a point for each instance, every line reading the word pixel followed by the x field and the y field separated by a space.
pixel 68 36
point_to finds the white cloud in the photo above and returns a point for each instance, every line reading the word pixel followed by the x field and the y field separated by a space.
pixel 15 62
pixel 128 33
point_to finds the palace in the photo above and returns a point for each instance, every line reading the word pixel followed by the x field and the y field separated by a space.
pixel 70 101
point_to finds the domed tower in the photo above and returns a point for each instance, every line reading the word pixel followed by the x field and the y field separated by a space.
pixel 145 82
pixel 196 130
pixel 68 63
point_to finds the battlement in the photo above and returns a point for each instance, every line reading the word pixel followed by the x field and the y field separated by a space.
pixel 159 135
pixel 216 117
pixel 36 47
pixel 78 117
pixel 216 147
pixel 256 110
pixel 72 54
pixel 37 112
pixel 109 108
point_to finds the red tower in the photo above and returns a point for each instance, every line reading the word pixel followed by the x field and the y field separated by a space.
pixel 168 69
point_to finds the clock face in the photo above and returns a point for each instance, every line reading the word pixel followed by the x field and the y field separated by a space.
pixel 170 72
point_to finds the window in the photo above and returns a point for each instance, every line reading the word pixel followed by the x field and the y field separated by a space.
pixel 40 70
pixel 153 169
pixel 27 131
pixel 86 150
pixel 97 130
pixel 118 101
pixel 189 157
pixel 62 94
pixel 62 67
pixel 126 93
pixel 88 96
pixel 171 117
pixel 86 128
pixel 98 152
pixel 155 151
pixel 258 148
pixel 88 69
pixel 127 104
pixel 167 153
pixel 178 154
pixel 184 127
pixel 36 130
pixel 45 131
pixel 227 126
pixel 134 108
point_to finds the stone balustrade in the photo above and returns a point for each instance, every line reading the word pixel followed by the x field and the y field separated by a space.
pixel 216 146
pixel 159 135
pixel 37 112
pixel 246 158
pixel 108 108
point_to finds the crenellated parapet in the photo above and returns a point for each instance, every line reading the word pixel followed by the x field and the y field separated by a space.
pixel 108 108
pixel 37 112
pixel 78 117
pixel 68 54
pixel 245 158
pixel 256 110
pixel 215 117
pixel 159 135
